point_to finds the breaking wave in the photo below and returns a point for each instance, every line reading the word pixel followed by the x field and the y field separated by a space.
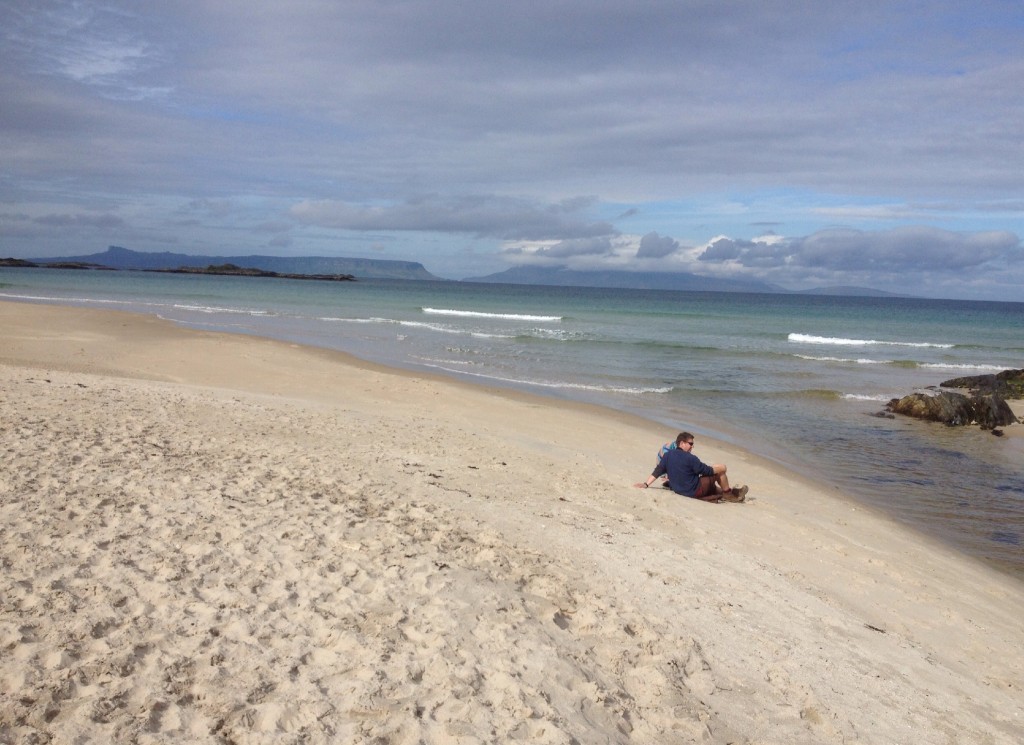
pixel 499 316
pixel 838 341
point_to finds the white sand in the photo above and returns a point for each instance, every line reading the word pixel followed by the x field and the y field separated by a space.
pixel 219 539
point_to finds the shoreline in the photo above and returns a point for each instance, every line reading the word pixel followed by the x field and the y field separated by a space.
pixel 727 435
pixel 155 332
pixel 209 535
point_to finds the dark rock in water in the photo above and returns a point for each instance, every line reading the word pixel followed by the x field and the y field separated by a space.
pixel 992 411
pixel 1008 384
pixel 997 432
pixel 955 409
pixel 948 408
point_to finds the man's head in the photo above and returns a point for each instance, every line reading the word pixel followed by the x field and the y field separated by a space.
pixel 684 438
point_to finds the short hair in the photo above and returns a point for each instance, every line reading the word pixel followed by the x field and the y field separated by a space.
pixel 683 437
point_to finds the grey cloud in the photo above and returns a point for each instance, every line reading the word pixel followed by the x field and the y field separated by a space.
pixel 901 249
pixel 12 217
pixel 273 227
pixel 95 44
pixel 32 236
pixel 752 254
pixel 725 249
pixel 601 246
pixel 16 225
pixel 213 207
pixel 501 217
pixel 654 246
pixel 78 221
pixel 433 93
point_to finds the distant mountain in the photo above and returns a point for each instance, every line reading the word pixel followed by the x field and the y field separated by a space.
pixel 116 257
pixel 849 291
pixel 532 275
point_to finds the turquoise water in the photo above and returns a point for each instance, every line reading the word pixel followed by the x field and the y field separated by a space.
pixel 794 378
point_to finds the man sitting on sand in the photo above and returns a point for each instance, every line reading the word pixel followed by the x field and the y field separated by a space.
pixel 688 476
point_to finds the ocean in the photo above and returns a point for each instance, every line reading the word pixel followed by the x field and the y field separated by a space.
pixel 797 379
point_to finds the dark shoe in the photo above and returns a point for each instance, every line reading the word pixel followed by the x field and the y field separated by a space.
pixel 736 494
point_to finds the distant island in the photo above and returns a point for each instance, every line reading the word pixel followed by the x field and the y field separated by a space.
pixel 564 277
pixel 848 291
pixel 232 270
pixel 53 265
pixel 116 257
pixel 680 281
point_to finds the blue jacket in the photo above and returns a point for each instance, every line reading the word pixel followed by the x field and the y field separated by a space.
pixel 684 471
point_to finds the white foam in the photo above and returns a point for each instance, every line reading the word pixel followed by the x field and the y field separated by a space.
pixel 215 309
pixel 556 385
pixel 810 339
pixel 501 316
pixel 950 366
pixel 865 397
pixel 46 298
pixel 860 361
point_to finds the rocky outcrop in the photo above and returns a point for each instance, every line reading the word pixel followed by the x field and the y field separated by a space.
pixel 985 405
pixel 1008 384
pixel 955 409
pixel 24 263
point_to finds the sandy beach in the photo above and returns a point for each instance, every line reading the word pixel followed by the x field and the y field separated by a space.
pixel 211 538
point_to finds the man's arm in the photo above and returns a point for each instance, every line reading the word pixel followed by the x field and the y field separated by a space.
pixel 659 470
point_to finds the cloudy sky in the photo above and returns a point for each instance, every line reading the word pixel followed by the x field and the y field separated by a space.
pixel 805 143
